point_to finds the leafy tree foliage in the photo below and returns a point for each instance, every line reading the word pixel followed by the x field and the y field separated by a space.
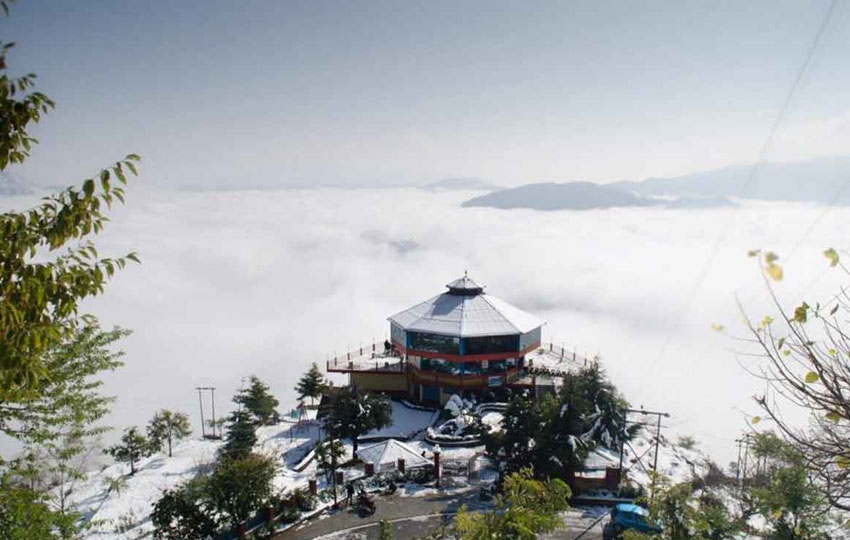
pixel 168 426
pixel 385 530
pixel 40 287
pixel 26 514
pixel 554 434
pixel 239 487
pixel 241 435
pixel 527 508
pixel 69 398
pixel 181 513
pixel 132 448
pixel 311 384
pixel 328 454
pixel 258 401
pixel 784 494
pixel 353 414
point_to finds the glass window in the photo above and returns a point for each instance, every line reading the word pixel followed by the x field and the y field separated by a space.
pixel 472 368
pixel 434 343
pixel 496 366
pixel 492 344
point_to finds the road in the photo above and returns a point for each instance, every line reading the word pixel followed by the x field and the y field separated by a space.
pixel 413 517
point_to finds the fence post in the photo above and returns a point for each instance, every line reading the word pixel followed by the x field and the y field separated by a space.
pixel 270 514
pixel 240 530
pixel 370 469
pixel 314 488
pixel 401 465
pixel 437 464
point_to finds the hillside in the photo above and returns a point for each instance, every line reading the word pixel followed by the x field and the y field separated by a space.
pixel 561 196
pixel 817 181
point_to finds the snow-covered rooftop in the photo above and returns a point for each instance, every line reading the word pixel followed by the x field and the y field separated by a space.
pixel 466 311
pixel 387 453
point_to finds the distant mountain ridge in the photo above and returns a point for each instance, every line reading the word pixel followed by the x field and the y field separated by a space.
pixel 553 196
pixel 818 180
pixel 823 181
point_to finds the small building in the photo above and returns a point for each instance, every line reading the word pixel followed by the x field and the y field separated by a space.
pixel 462 341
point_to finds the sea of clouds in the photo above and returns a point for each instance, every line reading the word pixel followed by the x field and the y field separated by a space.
pixel 234 283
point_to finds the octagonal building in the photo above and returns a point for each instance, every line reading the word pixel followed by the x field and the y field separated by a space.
pixel 462 341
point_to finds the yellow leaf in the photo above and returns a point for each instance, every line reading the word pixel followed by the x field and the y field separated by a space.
pixel 842 462
pixel 811 377
pixel 832 255
pixel 774 271
pixel 767 320
pixel 717 327
pixel 753 252
pixel 770 257
pixel 755 420
pixel 833 417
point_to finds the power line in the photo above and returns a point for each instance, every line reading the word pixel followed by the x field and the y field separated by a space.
pixel 754 170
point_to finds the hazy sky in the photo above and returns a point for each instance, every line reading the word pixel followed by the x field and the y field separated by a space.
pixel 254 93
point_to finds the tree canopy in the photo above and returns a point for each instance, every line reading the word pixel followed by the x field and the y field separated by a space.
pixel 132 448
pixel 554 433
pixel 353 414
pixel 259 402
pixel 311 384
pixel 48 264
pixel 166 427
pixel 526 509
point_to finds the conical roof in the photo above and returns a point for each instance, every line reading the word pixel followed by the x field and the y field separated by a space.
pixel 389 452
pixel 470 313
pixel 465 286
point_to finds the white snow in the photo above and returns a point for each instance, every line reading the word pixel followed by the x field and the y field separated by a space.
pixel 406 422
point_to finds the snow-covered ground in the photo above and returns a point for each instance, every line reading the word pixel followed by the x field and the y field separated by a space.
pixel 122 513
pixel 406 422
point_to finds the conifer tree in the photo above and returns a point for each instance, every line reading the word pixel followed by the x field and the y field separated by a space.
pixel 166 427
pixel 259 402
pixel 241 436
pixel 312 384
pixel 353 414
pixel 132 448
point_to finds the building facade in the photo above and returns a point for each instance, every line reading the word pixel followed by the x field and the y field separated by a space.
pixel 462 341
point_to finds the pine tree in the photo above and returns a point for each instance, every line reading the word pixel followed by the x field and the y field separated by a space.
pixel 132 448
pixel 258 401
pixel 241 436
pixel 168 426
pixel 353 414
pixel 311 385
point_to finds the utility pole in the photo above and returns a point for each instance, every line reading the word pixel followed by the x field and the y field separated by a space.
pixel 200 390
pixel 201 404
pixel 745 441
pixel 212 390
pixel 657 444
pixel 738 462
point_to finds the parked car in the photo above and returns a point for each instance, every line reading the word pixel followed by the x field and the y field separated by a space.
pixel 629 517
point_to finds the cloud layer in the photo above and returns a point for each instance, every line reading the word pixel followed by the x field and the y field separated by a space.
pixel 250 282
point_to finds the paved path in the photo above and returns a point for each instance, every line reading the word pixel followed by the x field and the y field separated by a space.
pixel 413 517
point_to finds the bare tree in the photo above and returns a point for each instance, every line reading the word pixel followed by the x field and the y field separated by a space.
pixel 807 364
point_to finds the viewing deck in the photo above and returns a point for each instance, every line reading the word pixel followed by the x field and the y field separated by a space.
pixel 549 360
pixel 367 359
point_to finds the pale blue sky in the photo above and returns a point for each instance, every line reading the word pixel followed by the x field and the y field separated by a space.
pixel 297 93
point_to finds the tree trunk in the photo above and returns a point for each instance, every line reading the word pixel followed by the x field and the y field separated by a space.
pixel 169 445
